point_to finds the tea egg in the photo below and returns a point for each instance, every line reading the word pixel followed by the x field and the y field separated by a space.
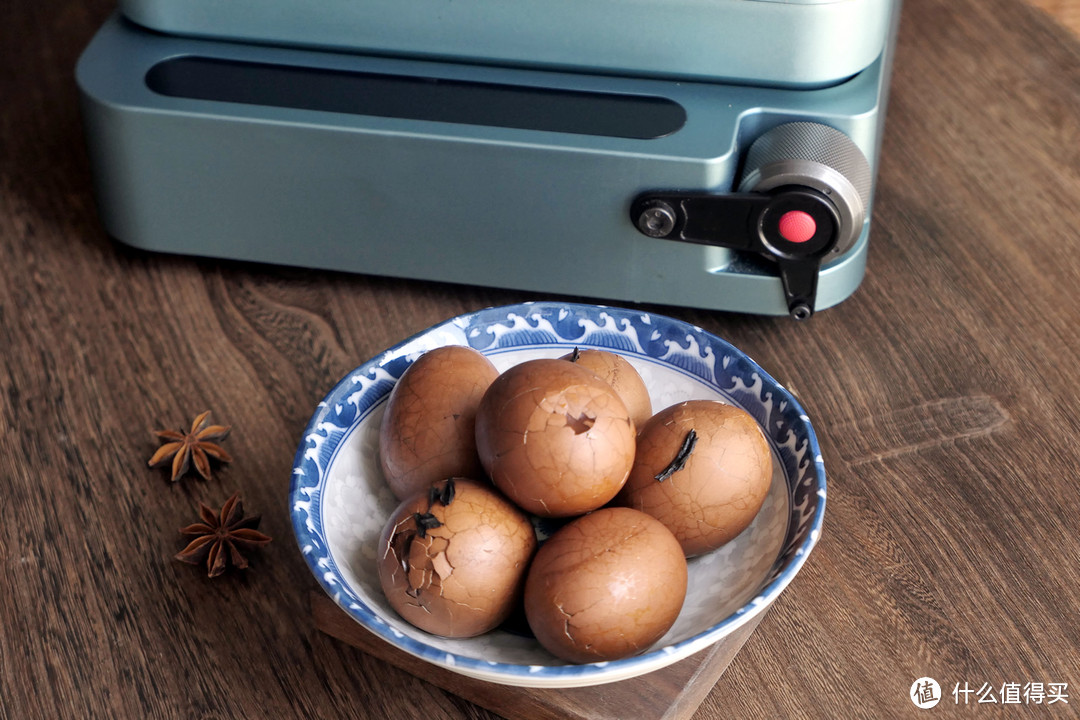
pixel 452 559
pixel 703 468
pixel 428 426
pixel 605 586
pixel 554 437
pixel 617 372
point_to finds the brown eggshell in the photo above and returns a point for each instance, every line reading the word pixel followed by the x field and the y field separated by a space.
pixel 554 437
pixel 428 427
pixel 606 586
pixel 723 483
pixel 617 372
pixel 454 565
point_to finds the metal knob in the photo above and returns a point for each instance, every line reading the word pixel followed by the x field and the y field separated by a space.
pixel 819 157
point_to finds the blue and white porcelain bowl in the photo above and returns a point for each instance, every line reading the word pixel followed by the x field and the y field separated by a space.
pixel 339 500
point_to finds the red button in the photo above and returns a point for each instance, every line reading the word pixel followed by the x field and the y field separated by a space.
pixel 797 226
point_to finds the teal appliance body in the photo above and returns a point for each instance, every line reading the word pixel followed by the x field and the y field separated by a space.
pixel 639 152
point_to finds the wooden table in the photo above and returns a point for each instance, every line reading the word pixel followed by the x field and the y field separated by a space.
pixel 945 393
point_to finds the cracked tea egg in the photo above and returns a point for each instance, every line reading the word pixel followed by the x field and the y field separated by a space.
pixel 608 585
pixel 554 437
pixel 427 430
pixel 703 468
pixel 452 559
pixel 617 371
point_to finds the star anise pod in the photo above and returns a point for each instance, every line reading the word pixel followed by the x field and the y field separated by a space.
pixel 193 447
pixel 220 537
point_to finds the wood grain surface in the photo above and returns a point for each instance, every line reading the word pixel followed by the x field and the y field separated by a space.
pixel 944 393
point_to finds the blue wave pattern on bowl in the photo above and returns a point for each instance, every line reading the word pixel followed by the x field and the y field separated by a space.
pixel 497 330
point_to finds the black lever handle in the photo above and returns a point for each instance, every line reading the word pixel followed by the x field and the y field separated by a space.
pixel 796 226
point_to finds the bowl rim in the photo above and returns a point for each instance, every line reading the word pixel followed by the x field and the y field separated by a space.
pixel 790 560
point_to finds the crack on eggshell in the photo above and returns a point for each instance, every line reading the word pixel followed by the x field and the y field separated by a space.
pixel 392 548
pixel 420 578
pixel 568 623
pixel 511 399
pixel 419 606
pixel 567 617
pixel 609 548
pixel 580 424
pixel 442 567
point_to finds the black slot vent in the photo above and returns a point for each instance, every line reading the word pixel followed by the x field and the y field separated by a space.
pixel 621 115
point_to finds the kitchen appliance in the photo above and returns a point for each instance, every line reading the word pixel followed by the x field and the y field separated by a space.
pixel 715 154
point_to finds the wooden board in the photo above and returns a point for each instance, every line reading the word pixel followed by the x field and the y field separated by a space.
pixel 671 693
